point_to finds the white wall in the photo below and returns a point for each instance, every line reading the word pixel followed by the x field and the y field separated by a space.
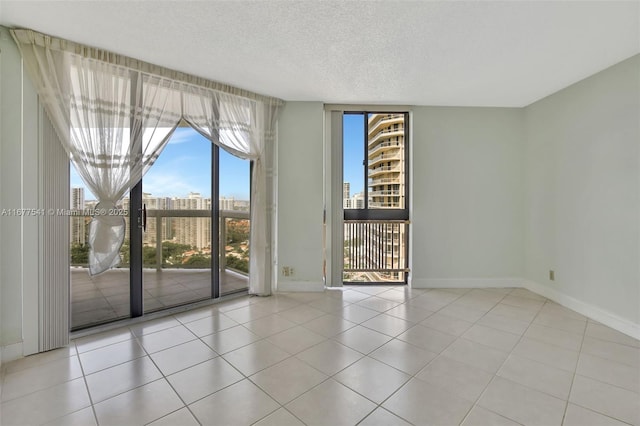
pixel 10 192
pixel 19 186
pixel 467 187
pixel 300 196
pixel 583 195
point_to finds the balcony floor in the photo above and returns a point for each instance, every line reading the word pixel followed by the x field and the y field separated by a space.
pixel 105 297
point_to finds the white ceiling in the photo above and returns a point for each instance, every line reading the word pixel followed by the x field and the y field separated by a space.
pixel 478 53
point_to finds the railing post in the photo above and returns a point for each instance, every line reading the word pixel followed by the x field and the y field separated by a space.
pixel 222 262
pixel 158 242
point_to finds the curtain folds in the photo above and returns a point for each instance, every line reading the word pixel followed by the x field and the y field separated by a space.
pixel 114 117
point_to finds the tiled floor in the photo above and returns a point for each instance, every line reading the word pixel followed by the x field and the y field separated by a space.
pixel 105 297
pixel 361 355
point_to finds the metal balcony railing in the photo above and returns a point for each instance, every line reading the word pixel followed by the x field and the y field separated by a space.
pixel 371 246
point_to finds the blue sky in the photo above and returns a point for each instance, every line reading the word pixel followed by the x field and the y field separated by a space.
pixel 185 166
pixel 353 154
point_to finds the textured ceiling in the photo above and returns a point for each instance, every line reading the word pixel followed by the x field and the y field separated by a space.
pixel 480 53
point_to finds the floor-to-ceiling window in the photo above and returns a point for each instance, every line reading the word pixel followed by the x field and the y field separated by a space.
pixel 190 247
pixel 375 196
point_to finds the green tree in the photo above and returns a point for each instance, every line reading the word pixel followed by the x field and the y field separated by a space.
pixel 79 254
pixel 198 261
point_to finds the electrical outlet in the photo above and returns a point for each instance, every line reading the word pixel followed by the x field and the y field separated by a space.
pixel 287 271
pixel 552 275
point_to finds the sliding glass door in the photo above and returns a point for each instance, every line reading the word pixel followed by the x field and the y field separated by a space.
pixel 186 241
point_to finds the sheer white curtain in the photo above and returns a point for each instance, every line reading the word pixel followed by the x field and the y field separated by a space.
pixel 244 127
pixel 113 126
pixel 114 116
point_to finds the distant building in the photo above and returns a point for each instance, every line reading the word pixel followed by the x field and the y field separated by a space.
pixel 78 223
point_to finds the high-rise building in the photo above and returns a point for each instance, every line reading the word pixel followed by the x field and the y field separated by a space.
pixel 386 161
pixel 193 231
pixel 78 222
pixel 386 172
pixel 346 195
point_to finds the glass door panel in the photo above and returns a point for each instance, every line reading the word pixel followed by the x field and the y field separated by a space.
pixel 104 297
pixel 234 205
pixel 176 244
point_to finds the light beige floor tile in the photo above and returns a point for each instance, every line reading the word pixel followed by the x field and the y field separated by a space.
pixel 296 339
pixel 523 292
pixel 427 303
pixel 578 416
pixel 499 322
pixel 301 314
pixel 463 312
pixel 196 314
pixel 329 325
pixel 182 417
pixel 387 324
pixel 606 399
pixel 382 417
pixel 611 372
pixel 513 312
pixel 139 406
pixel 152 326
pixel 362 339
pixel 395 296
pixel 100 340
pixel 377 304
pixel 213 323
pixel 280 417
pixel 204 379
pixel 545 353
pixel 269 325
pixel 555 336
pixel 329 356
pixel 230 339
pixel 560 321
pixel 39 359
pixel 255 357
pixel 346 406
pixel 248 313
pixel 613 351
pixel 527 303
pixel 108 356
pixel 427 338
pixel 370 290
pixel 165 339
pixel 479 416
pixel 240 404
pixel 602 332
pixel 352 296
pixel 84 417
pixel 356 314
pixel 455 377
pixel 447 324
pixel 328 304
pixel 40 377
pixel 403 356
pixel 538 376
pixel 45 405
pixel 288 379
pixel 491 337
pixel 115 380
pixel 372 379
pixel 410 313
pixel 179 357
pixel 522 404
pixel 475 354
pixel 422 403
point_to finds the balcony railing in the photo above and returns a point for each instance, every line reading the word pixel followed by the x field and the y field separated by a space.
pixel 386 134
pixel 388 144
pixel 375 249
pixel 156 235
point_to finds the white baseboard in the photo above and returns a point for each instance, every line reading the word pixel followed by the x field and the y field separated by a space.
pixel 284 286
pixel 598 314
pixel 11 352
pixel 466 282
